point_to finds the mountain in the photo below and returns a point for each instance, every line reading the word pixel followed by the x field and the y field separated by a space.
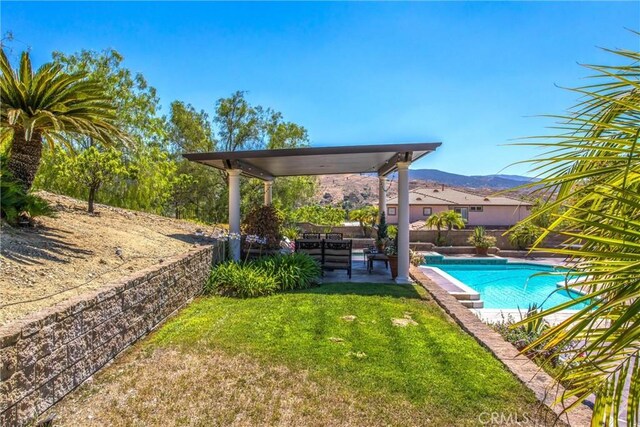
pixel 494 182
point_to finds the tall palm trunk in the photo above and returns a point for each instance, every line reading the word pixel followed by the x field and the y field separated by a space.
pixel 24 157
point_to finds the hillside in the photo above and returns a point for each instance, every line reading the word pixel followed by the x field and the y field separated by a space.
pixel 354 190
pixel 75 252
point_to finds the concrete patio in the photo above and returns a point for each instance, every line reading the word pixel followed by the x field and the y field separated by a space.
pixel 359 273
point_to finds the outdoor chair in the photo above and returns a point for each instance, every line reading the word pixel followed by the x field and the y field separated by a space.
pixel 308 236
pixel 333 236
pixel 337 255
pixel 311 247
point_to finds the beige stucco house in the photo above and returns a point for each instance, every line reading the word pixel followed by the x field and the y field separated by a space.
pixel 487 211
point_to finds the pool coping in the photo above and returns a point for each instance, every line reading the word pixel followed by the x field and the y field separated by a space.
pixel 452 285
pixel 532 376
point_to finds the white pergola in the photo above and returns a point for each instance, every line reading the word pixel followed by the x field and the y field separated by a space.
pixel 267 165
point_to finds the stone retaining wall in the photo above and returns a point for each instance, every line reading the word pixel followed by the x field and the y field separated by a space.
pixel 46 355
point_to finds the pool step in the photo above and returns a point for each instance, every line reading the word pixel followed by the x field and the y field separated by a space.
pixel 472 303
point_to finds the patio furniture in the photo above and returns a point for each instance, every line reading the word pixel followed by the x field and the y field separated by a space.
pixel 337 255
pixel 371 257
pixel 311 247
pixel 308 236
pixel 371 249
pixel 330 254
pixel 333 236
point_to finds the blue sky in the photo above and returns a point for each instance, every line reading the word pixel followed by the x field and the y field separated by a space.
pixel 471 75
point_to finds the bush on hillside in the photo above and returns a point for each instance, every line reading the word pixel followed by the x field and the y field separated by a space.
pixel 17 206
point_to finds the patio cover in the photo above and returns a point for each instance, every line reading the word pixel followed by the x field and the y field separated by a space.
pixel 266 165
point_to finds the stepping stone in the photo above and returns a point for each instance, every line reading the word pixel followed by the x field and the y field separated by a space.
pixel 404 322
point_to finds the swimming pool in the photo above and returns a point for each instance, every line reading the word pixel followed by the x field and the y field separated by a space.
pixel 512 285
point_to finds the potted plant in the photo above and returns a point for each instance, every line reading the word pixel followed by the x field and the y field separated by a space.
pixel 382 233
pixel 391 250
pixel 481 241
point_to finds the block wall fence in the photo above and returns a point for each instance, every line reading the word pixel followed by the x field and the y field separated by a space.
pixel 46 355
pixel 456 237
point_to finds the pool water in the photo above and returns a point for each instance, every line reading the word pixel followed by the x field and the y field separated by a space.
pixel 513 285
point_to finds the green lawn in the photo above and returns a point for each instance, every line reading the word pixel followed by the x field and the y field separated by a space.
pixel 365 370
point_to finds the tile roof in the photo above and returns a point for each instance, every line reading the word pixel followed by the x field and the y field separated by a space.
pixel 450 197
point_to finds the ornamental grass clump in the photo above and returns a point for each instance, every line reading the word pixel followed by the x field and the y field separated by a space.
pixel 240 280
pixel 291 271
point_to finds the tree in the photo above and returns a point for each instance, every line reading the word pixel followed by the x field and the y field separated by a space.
pixel 202 195
pixel 592 169
pixel 49 105
pixel 183 194
pixel 437 221
pixel 316 214
pixel 449 219
pixel 94 167
pixel 367 217
pixel 239 124
pixel 147 186
pixel 452 219
pixel 136 102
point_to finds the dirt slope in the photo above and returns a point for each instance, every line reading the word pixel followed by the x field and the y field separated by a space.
pixel 75 252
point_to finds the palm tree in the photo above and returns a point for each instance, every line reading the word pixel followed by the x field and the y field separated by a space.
pixel 592 170
pixel 452 219
pixel 48 105
pixel 436 221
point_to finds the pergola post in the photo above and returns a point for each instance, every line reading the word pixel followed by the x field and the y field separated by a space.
pixel 403 222
pixel 382 196
pixel 268 192
pixel 234 212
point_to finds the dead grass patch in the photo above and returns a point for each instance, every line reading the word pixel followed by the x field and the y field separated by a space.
pixel 171 387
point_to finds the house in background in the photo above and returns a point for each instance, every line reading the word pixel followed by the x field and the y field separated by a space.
pixel 477 210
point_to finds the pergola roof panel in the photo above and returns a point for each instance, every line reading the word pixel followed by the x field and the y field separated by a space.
pixel 267 164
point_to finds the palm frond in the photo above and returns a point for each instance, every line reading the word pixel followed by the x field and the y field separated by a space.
pixel 590 177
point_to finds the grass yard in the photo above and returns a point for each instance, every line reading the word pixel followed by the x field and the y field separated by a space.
pixel 339 354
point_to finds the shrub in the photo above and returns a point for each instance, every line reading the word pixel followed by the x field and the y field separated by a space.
pixel 522 236
pixel 291 233
pixel 17 206
pixel 291 271
pixel 382 228
pixel 240 280
pixel 521 336
pixel 479 239
pixel 264 222
pixel 319 215
pixel 415 258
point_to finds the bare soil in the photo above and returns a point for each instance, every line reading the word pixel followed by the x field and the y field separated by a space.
pixel 76 252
